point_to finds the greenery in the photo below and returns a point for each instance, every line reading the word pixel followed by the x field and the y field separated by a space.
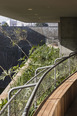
pixel 2 103
pixel 42 56
pixel 5 24
pixel 39 56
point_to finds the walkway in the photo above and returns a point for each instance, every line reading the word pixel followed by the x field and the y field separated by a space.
pixel 72 111
pixel 59 101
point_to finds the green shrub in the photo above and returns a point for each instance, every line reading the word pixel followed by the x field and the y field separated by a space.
pixel 42 56
pixel 2 103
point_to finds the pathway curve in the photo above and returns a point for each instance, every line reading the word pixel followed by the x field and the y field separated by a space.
pixel 57 104
pixel 72 111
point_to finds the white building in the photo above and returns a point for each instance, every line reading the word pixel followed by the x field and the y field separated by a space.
pixel 12 22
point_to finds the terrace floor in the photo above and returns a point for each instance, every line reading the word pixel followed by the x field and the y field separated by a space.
pixel 57 103
pixel 72 111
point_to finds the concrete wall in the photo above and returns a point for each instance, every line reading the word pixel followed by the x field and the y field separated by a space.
pixel 51 33
pixel 68 35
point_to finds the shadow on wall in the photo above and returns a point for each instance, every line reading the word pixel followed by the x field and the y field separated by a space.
pixel 10 54
pixel 68 33
pixel 33 37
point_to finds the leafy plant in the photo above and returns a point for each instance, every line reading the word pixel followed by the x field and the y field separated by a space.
pixel 2 103
pixel 19 34
pixel 39 56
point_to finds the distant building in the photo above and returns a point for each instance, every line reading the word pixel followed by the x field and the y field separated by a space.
pixel 19 23
pixel 12 22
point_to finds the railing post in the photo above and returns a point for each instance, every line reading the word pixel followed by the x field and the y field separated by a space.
pixel 9 104
pixel 33 95
pixel 55 72
pixel 55 77
pixel 35 99
pixel 69 66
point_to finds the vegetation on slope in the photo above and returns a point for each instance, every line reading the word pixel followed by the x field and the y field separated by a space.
pixel 42 56
pixel 39 56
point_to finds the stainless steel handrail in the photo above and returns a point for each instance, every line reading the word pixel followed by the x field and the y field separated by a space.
pixel 15 88
pixel 19 90
pixel 44 67
pixel 26 109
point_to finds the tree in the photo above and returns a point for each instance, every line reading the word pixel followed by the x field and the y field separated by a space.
pixel 16 33
pixel 5 24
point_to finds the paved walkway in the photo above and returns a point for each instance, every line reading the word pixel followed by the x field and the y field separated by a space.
pixel 73 109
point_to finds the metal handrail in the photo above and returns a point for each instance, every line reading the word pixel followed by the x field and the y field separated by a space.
pixel 19 90
pixel 15 88
pixel 55 68
pixel 26 109
pixel 44 67
pixel 24 84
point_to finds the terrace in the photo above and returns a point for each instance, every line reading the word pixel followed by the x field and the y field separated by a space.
pixel 52 90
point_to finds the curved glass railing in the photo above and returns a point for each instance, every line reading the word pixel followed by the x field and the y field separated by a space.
pixel 24 100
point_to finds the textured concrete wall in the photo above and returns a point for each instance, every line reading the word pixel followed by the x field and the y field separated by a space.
pixel 50 33
pixel 68 35
pixel 47 31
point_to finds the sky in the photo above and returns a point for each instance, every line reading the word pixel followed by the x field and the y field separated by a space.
pixel 5 19
pixel 2 18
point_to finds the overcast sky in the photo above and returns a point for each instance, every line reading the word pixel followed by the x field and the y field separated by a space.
pixel 2 18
